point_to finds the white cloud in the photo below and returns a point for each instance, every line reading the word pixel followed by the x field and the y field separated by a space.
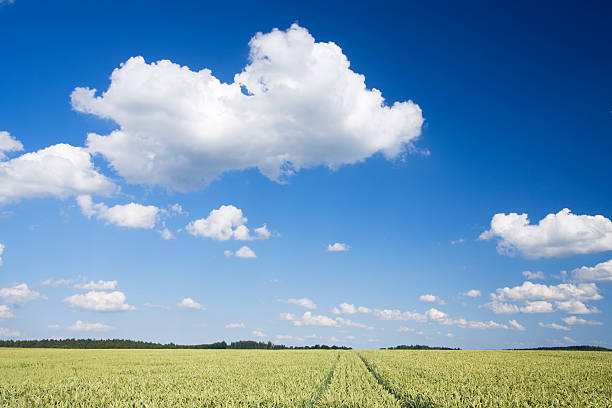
pixel 571 320
pixel 99 285
pixel 600 272
pixel 228 253
pixel 189 303
pixel 538 306
pixel 405 329
pixel 166 234
pixel 502 308
pixel 82 326
pixel 245 252
pixel 458 241
pixel 350 323
pixel 1 252
pixel 284 337
pixel 56 282
pixel 262 232
pixel 9 333
pixel 302 107
pixel 554 326
pixel 53 326
pixel 338 247
pixel 569 339
pixel 307 319
pixel 19 293
pixel 225 223
pixel 154 306
pixel 130 215
pixel 533 275
pixel 350 337
pixel 5 312
pixel 60 170
pixel 347 308
pixel 575 307
pixel 537 291
pixel 234 326
pixel 304 302
pixel 8 144
pixel 431 298
pixel 473 293
pixel 559 234
pixel 516 325
pixel 433 315
pixel 259 333
pixel 99 301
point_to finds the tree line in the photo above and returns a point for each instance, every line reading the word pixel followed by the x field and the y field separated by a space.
pixel 136 344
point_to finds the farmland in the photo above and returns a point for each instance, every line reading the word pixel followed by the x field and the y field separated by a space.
pixel 303 378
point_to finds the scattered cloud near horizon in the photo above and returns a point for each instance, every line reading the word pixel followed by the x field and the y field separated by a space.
pixel 79 325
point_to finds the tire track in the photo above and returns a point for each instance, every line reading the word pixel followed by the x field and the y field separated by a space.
pixel 403 400
pixel 324 384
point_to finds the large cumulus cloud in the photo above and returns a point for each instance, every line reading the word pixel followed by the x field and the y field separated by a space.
pixel 297 104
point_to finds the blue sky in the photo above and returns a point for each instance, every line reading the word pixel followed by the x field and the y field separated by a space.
pixel 488 114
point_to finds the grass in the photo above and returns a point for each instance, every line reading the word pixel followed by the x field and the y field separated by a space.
pixel 317 378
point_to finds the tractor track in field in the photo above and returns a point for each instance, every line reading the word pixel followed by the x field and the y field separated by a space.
pixel 324 384
pixel 403 401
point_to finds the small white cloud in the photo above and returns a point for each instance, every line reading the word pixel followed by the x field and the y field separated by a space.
pixel 473 293
pixel 8 143
pixel 307 319
pixel 554 326
pixel 350 337
pixel 89 327
pixel 100 301
pixel 516 325
pixel 189 303
pixel 99 285
pixel 166 234
pixel 538 306
pixel 56 282
pixel 1 252
pixel 259 334
pixel 130 215
pixel 284 337
pixel 575 307
pixel 338 247
pixel 350 323
pixel 228 253
pixel 262 232
pixel 406 329
pixel 559 234
pixel 154 306
pixel 600 272
pixel 245 252
pixel 304 302
pixel 19 293
pixel 234 326
pixel 431 298
pixel 225 223
pixel 458 241
pixel 450 335
pixel 9 333
pixel 537 291
pixel 5 312
pixel 53 326
pixel 578 320
pixel 569 339
pixel 533 275
pixel 60 171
